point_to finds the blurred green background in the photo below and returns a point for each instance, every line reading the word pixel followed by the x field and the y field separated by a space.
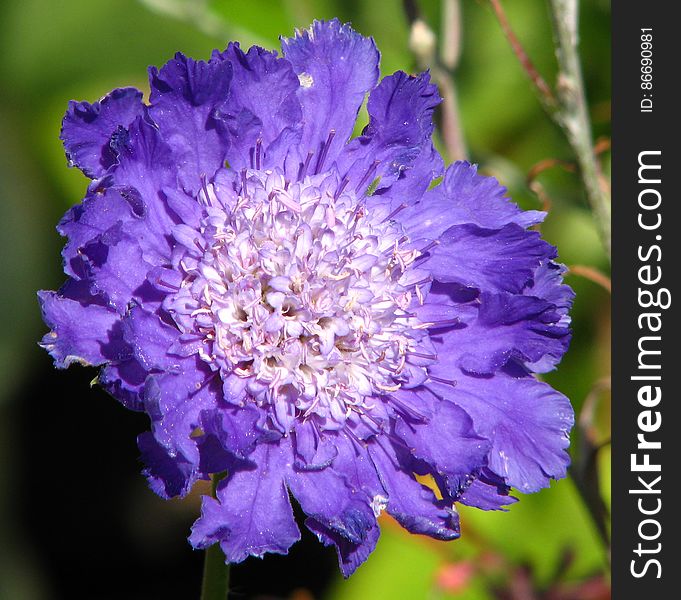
pixel 51 52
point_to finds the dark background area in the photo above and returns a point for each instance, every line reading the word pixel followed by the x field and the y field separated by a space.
pixel 97 530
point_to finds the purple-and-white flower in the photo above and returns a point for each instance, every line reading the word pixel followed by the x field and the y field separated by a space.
pixel 307 312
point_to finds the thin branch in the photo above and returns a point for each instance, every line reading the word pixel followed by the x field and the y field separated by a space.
pixel 545 165
pixel 584 469
pixel 537 187
pixel 592 275
pixel 567 105
pixel 200 14
pixel 588 412
pixel 451 122
pixel 573 115
pixel 546 96
pixel 450 49
pixel 603 144
pixel 443 72
pixel 423 43
pixel 411 10
pixel 544 198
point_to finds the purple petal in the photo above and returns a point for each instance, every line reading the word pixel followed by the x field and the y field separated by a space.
pixel 252 514
pixel 441 314
pixel 262 103
pixel 400 125
pixel 184 206
pixel 350 554
pixel 413 505
pixel 214 458
pixel 235 428
pixel 84 222
pixel 336 67
pixel 324 496
pixel 115 266
pixel 527 421
pixel 145 167
pixel 446 442
pixel 87 128
pixel 175 399
pixel 83 331
pixel 184 94
pixel 313 452
pixel 548 285
pixel 487 492
pixel 168 477
pixel 124 380
pixel 338 513
pixel 150 338
pixel 358 470
pixel 488 259
pixel 413 182
pixel 523 328
pixel 145 163
pixel 113 245
pixel 464 197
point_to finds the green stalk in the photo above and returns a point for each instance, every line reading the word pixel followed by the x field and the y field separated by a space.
pixel 572 114
pixel 215 583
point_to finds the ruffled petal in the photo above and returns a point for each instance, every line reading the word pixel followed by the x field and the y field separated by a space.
pixel 87 129
pixel 313 452
pixel 412 182
pixel 446 442
pixel 399 130
pixel 145 167
pixel 262 103
pixel 463 197
pixel 527 422
pixel 509 327
pixel 324 496
pixel 124 380
pixel 236 428
pixel 487 492
pixel 115 266
pixel 85 222
pixel 83 331
pixel 113 241
pixel 184 95
pixel 350 554
pixel 413 505
pixel 548 285
pixel 488 259
pixel 342 503
pixel 173 390
pixel 150 339
pixel 336 67
pixel 358 470
pixel 175 399
pixel 252 514
pixel 168 476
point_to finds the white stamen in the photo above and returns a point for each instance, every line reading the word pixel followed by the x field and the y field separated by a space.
pixel 305 301
pixel 305 80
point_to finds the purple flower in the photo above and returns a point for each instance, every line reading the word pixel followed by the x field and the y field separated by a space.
pixel 306 312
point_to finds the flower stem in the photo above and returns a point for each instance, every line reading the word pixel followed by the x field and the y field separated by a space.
pixel 567 105
pixel 573 115
pixel 424 43
pixel 215 575
pixel 215 584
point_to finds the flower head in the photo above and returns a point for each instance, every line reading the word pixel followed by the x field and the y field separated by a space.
pixel 307 312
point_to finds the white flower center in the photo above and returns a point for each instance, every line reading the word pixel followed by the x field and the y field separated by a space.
pixel 301 293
